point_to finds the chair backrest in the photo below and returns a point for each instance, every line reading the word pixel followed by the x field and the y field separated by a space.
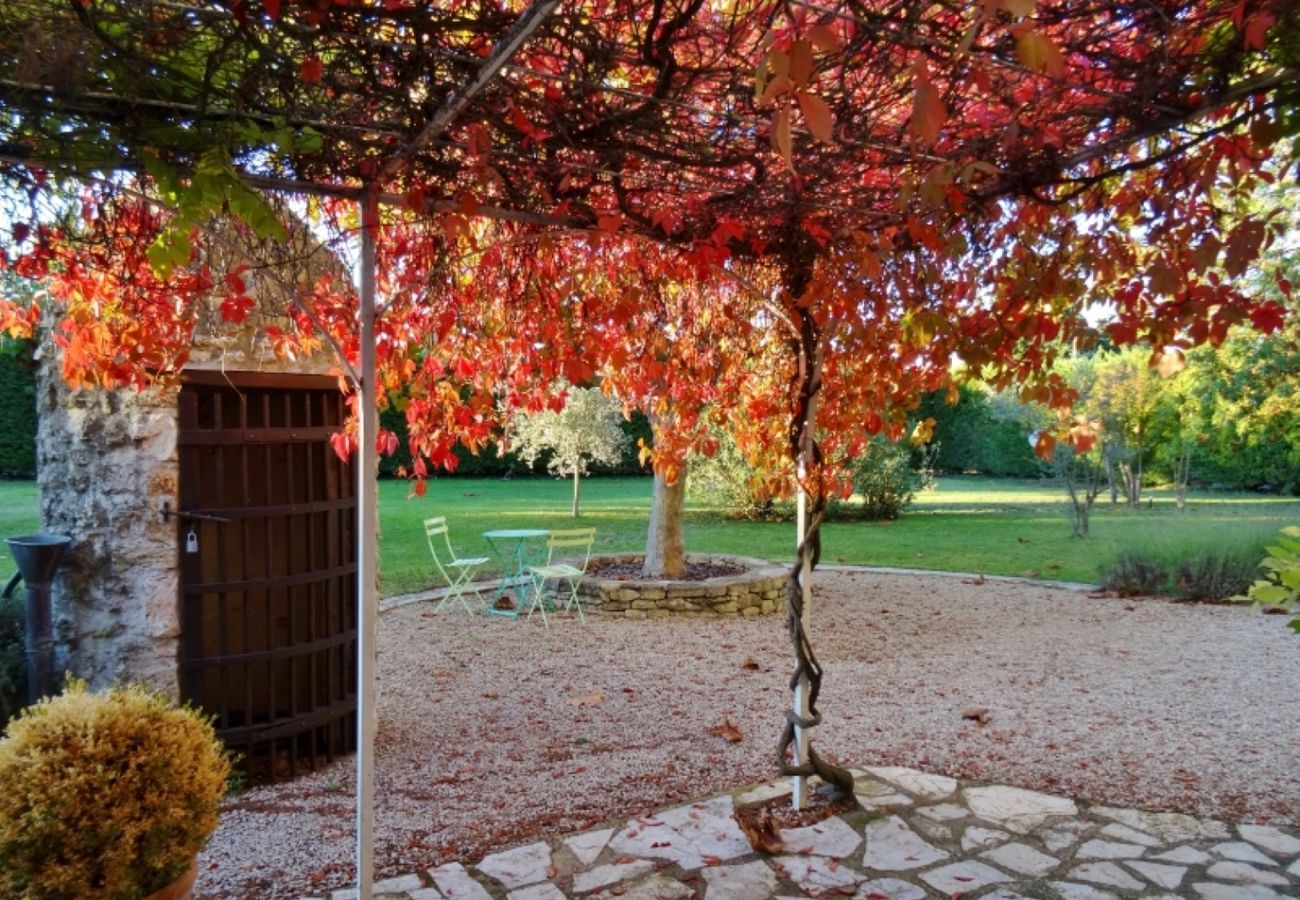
pixel 432 529
pixel 567 540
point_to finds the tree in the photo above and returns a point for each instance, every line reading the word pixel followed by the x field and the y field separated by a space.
pixel 942 181
pixel 1123 397
pixel 584 430
pixel 1082 473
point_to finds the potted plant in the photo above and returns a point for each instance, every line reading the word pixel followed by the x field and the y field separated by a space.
pixel 107 795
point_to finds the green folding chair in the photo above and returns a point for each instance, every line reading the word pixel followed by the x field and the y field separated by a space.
pixel 568 542
pixel 457 572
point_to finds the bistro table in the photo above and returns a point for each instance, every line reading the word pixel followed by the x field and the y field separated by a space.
pixel 511 548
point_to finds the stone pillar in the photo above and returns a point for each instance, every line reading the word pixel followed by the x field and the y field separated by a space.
pixel 106 462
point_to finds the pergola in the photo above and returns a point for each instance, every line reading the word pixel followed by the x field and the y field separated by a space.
pixel 780 133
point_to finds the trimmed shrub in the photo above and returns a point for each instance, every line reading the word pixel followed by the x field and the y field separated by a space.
pixel 887 478
pixel 106 795
pixel 1215 576
pixel 13 663
pixel 727 480
pixel 1133 575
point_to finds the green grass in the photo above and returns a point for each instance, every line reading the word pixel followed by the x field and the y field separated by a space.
pixel 18 515
pixel 971 524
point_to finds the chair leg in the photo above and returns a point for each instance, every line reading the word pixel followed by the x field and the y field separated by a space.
pixel 539 594
pixel 574 602
pixel 460 594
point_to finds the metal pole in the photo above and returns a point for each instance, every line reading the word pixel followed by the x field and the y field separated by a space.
pixel 367 558
pixel 798 783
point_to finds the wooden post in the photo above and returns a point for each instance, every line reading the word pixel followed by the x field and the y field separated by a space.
pixel 367 558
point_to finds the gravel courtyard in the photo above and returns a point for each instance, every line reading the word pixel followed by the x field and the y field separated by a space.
pixel 493 731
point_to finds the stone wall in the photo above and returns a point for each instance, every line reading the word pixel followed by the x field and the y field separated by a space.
pixel 759 590
pixel 106 462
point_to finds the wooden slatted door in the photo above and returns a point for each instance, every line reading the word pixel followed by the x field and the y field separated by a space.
pixel 268 597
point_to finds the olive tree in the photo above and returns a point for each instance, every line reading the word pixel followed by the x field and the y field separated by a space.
pixel 584 431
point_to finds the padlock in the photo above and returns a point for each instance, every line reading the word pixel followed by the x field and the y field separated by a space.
pixel 191 542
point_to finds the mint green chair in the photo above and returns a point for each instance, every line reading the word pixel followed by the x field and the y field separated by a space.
pixel 574 543
pixel 457 572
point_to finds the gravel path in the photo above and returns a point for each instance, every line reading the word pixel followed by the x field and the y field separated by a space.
pixel 493 732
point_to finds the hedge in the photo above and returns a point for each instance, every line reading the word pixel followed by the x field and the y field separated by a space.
pixel 17 410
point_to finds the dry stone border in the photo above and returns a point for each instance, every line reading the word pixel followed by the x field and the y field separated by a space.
pixel 917 835
pixel 759 590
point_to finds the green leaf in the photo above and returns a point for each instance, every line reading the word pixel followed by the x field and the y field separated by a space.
pixel 1269 593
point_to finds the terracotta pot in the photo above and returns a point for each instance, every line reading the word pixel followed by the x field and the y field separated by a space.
pixel 181 887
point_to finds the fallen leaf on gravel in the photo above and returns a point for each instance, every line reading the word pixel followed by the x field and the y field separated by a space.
pixel 443 673
pixel 978 580
pixel 728 731
pixel 977 714
pixel 750 664
pixel 595 698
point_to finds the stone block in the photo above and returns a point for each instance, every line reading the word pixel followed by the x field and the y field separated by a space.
pixel 750 611
pixel 635 614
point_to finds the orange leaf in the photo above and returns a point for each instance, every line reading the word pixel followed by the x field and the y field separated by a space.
pixel 801 63
pixel 727 731
pixel 1037 52
pixel 595 698
pixel 779 85
pixel 781 135
pixel 928 112
pixel 1045 444
pixel 818 116
pixel 824 38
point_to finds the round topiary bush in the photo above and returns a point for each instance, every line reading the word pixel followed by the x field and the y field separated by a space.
pixel 105 795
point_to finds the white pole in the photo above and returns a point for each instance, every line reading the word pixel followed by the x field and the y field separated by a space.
pixel 799 783
pixel 367 559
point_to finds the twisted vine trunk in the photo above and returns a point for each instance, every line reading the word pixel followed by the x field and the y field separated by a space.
pixel 795 754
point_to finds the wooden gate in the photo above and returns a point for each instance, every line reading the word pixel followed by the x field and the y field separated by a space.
pixel 268 596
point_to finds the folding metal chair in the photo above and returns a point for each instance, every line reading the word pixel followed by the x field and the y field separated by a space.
pixel 568 542
pixel 457 572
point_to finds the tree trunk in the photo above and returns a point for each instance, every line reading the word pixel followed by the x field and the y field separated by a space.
pixel 1182 470
pixel 665 546
pixel 576 483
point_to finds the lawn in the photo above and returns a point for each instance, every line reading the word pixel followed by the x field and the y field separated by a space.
pixel 968 524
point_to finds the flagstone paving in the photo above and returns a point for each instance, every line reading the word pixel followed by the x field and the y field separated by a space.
pixel 917 836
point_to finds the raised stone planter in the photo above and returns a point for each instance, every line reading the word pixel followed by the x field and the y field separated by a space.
pixel 759 590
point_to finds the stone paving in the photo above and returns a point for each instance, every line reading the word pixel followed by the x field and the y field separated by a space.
pixel 917 835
